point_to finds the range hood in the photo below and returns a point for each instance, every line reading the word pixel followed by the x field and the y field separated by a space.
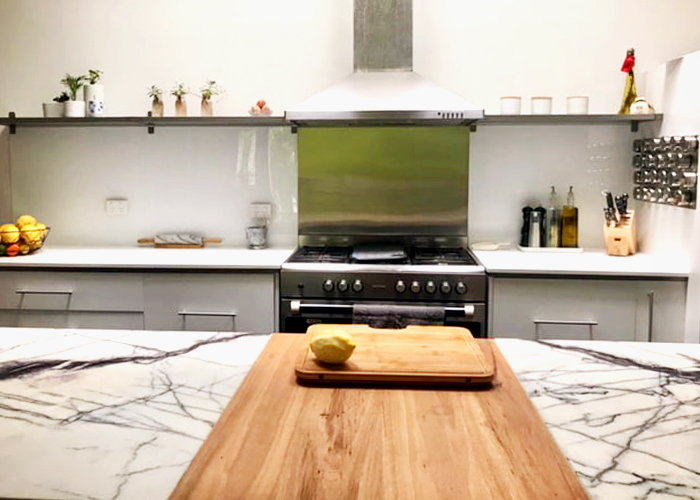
pixel 384 89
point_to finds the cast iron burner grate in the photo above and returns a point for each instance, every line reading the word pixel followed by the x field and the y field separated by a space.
pixel 444 256
pixel 334 255
pixel 417 256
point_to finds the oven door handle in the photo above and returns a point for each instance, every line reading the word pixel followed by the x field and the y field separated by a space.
pixel 296 307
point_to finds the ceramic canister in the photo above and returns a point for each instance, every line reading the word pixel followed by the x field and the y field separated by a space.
pixel 510 105
pixel 541 105
pixel 577 105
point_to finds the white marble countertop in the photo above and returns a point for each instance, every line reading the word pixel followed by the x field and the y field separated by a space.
pixel 109 414
pixel 586 263
pixel 151 258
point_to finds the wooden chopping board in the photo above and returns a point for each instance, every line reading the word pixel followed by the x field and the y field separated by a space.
pixel 278 440
pixel 415 354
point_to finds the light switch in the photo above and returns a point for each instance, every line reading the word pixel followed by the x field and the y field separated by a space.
pixel 260 211
pixel 116 206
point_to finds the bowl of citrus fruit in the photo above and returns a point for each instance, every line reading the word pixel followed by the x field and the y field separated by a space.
pixel 26 235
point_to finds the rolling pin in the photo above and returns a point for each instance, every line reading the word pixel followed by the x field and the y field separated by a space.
pixel 178 240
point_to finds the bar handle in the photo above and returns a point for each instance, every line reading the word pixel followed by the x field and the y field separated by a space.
pixel 650 329
pixel 590 323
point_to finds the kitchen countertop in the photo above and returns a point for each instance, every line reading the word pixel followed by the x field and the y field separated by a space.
pixel 497 263
pixel 110 414
pixel 587 263
pixel 151 258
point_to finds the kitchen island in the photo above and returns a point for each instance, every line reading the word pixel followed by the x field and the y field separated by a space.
pixel 120 414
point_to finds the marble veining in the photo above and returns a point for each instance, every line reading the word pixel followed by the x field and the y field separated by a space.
pixel 113 415
pixel 112 418
pixel 626 415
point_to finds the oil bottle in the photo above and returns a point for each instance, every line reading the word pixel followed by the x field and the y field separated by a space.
pixel 569 221
pixel 552 220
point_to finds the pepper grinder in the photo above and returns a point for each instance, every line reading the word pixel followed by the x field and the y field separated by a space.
pixel 525 229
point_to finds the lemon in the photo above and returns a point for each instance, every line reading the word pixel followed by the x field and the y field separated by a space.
pixel 9 233
pixel 24 220
pixel 333 346
pixel 31 233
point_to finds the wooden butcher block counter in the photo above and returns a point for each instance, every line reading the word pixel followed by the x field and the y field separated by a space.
pixel 280 440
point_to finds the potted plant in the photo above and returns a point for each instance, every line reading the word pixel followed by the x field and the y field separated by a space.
pixel 73 107
pixel 94 93
pixel 156 95
pixel 179 91
pixel 209 90
pixel 55 109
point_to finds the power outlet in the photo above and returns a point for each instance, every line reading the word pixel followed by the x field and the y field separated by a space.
pixel 116 206
pixel 260 211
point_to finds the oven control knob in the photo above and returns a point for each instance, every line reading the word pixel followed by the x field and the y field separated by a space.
pixel 400 286
pixel 328 286
pixel 445 287
pixel 415 287
pixel 461 288
pixel 430 287
pixel 357 286
pixel 343 286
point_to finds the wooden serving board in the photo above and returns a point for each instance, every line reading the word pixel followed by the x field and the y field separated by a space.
pixel 415 354
pixel 278 440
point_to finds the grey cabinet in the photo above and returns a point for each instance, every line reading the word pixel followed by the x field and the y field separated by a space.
pixel 59 299
pixel 597 309
pixel 231 301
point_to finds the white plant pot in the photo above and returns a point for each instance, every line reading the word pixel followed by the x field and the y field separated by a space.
pixel 53 109
pixel 75 109
pixel 94 99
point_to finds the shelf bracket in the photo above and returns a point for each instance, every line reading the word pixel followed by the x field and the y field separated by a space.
pixel 12 124
pixel 151 125
pixel 472 127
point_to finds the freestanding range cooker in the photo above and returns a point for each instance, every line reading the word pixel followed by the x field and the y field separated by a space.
pixel 383 215
pixel 327 285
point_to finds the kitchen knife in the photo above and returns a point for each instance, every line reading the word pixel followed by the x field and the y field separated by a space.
pixel 621 202
pixel 611 205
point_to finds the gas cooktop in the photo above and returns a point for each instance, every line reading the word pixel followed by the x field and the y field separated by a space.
pixel 383 255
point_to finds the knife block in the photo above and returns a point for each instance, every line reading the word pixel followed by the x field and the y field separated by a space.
pixel 621 238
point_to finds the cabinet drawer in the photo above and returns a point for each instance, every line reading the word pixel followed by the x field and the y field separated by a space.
pixel 69 291
pixel 564 309
pixel 210 302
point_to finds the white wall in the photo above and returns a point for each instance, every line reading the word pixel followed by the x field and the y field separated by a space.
pixel 487 49
pixel 285 51
pixel 176 180
pixel 675 231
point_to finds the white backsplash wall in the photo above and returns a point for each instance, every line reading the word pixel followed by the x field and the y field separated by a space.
pixel 514 166
pixel 178 179
pixel 5 179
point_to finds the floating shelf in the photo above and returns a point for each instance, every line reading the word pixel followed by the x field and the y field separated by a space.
pixel 279 121
pixel 632 120
pixel 147 122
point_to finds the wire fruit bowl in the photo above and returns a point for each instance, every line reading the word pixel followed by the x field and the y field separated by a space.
pixel 23 241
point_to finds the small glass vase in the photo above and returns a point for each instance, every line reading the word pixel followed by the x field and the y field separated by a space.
pixel 180 107
pixel 207 108
pixel 157 109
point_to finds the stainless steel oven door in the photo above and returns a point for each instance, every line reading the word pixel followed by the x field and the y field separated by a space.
pixel 297 315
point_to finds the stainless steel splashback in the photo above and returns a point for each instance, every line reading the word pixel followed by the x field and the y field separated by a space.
pixel 383 182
